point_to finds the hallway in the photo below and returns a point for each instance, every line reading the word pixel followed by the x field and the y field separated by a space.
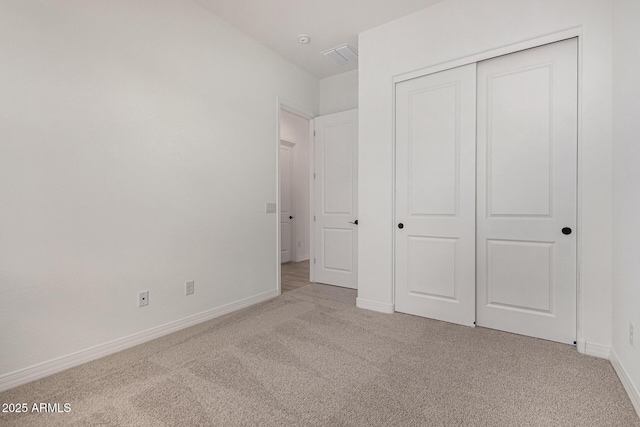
pixel 295 275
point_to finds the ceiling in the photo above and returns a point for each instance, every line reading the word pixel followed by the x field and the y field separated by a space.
pixel 330 23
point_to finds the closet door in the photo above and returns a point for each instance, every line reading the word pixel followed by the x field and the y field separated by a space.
pixel 527 179
pixel 435 196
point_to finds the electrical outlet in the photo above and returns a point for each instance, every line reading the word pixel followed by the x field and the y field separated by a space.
pixel 143 298
pixel 189 287
pixel 631 335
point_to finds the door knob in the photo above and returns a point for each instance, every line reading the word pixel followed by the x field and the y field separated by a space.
pixel 401 225
pixel 566 231
pixel 354 222
pixel 290 217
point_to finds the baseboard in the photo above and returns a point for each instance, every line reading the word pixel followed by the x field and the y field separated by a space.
pixel 375 306
pixel 302 258
pixel 595 350
pixel 631 389
pixel 41 370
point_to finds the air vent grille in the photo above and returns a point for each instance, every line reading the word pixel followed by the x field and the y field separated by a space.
pixel 342 55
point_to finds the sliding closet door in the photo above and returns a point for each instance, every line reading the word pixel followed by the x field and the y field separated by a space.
pixel 435 196
pixel 526 205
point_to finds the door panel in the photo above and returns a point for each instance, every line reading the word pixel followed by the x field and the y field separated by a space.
pixel 286 202
pixel 519 150
pixel 337 170
pixel 433 150
pixel 336 199
pixel 527 157
pixel 338 249
pixel 520 275
pixel 431 267
pixel 435 196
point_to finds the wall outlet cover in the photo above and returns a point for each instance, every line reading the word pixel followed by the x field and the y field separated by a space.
pixel 189 287
pixel 143 298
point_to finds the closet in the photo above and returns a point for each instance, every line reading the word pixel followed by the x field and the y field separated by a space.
pixel 486 193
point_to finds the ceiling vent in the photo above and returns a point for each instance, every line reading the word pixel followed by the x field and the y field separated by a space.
pixel 342 55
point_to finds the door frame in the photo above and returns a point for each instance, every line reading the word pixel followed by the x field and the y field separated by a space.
pixel 283 104
pixel 570 33
pixel 292 167
pixel 312 202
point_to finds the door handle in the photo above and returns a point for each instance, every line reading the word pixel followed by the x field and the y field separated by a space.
pixel 290 217
pixel 354 222
pixel 566 231
pixel 401 226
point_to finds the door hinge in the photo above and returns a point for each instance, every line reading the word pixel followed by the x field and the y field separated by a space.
pixel 314 175
pixel 314 260
pixel 314 133
pixel 314 218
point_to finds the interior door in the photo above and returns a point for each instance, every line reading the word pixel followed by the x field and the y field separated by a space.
pixel 336 199
pixel 526 213
pixel 286 202
pixel 435 196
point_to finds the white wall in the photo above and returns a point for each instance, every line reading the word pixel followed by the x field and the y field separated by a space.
pixel 455 29
pixel 626 197
pixel 339 93
pixel 294 128
pixel 137 151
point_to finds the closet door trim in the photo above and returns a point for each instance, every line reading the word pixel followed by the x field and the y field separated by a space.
pixel 493 53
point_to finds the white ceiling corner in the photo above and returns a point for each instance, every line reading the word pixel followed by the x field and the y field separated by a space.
pixel 330 23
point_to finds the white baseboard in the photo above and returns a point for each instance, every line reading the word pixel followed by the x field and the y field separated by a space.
pixel 592 349
pixel 631 389
pixel 375 306
pixel 41 370
pixel 302 258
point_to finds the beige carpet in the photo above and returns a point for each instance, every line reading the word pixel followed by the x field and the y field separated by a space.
pixel 311 358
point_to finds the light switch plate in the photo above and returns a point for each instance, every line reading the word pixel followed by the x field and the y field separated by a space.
pixel 270 208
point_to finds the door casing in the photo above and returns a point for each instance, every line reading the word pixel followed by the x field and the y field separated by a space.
pixel 292 202
pixel 293 108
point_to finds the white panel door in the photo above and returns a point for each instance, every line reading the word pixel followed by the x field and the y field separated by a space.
pixel 336 199
pixel 286 202
pixel 527 156
pixel 435 196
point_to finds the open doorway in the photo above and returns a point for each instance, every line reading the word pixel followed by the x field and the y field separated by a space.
pixel 294 200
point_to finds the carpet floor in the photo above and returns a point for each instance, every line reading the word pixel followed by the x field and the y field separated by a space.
pixel 311 358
